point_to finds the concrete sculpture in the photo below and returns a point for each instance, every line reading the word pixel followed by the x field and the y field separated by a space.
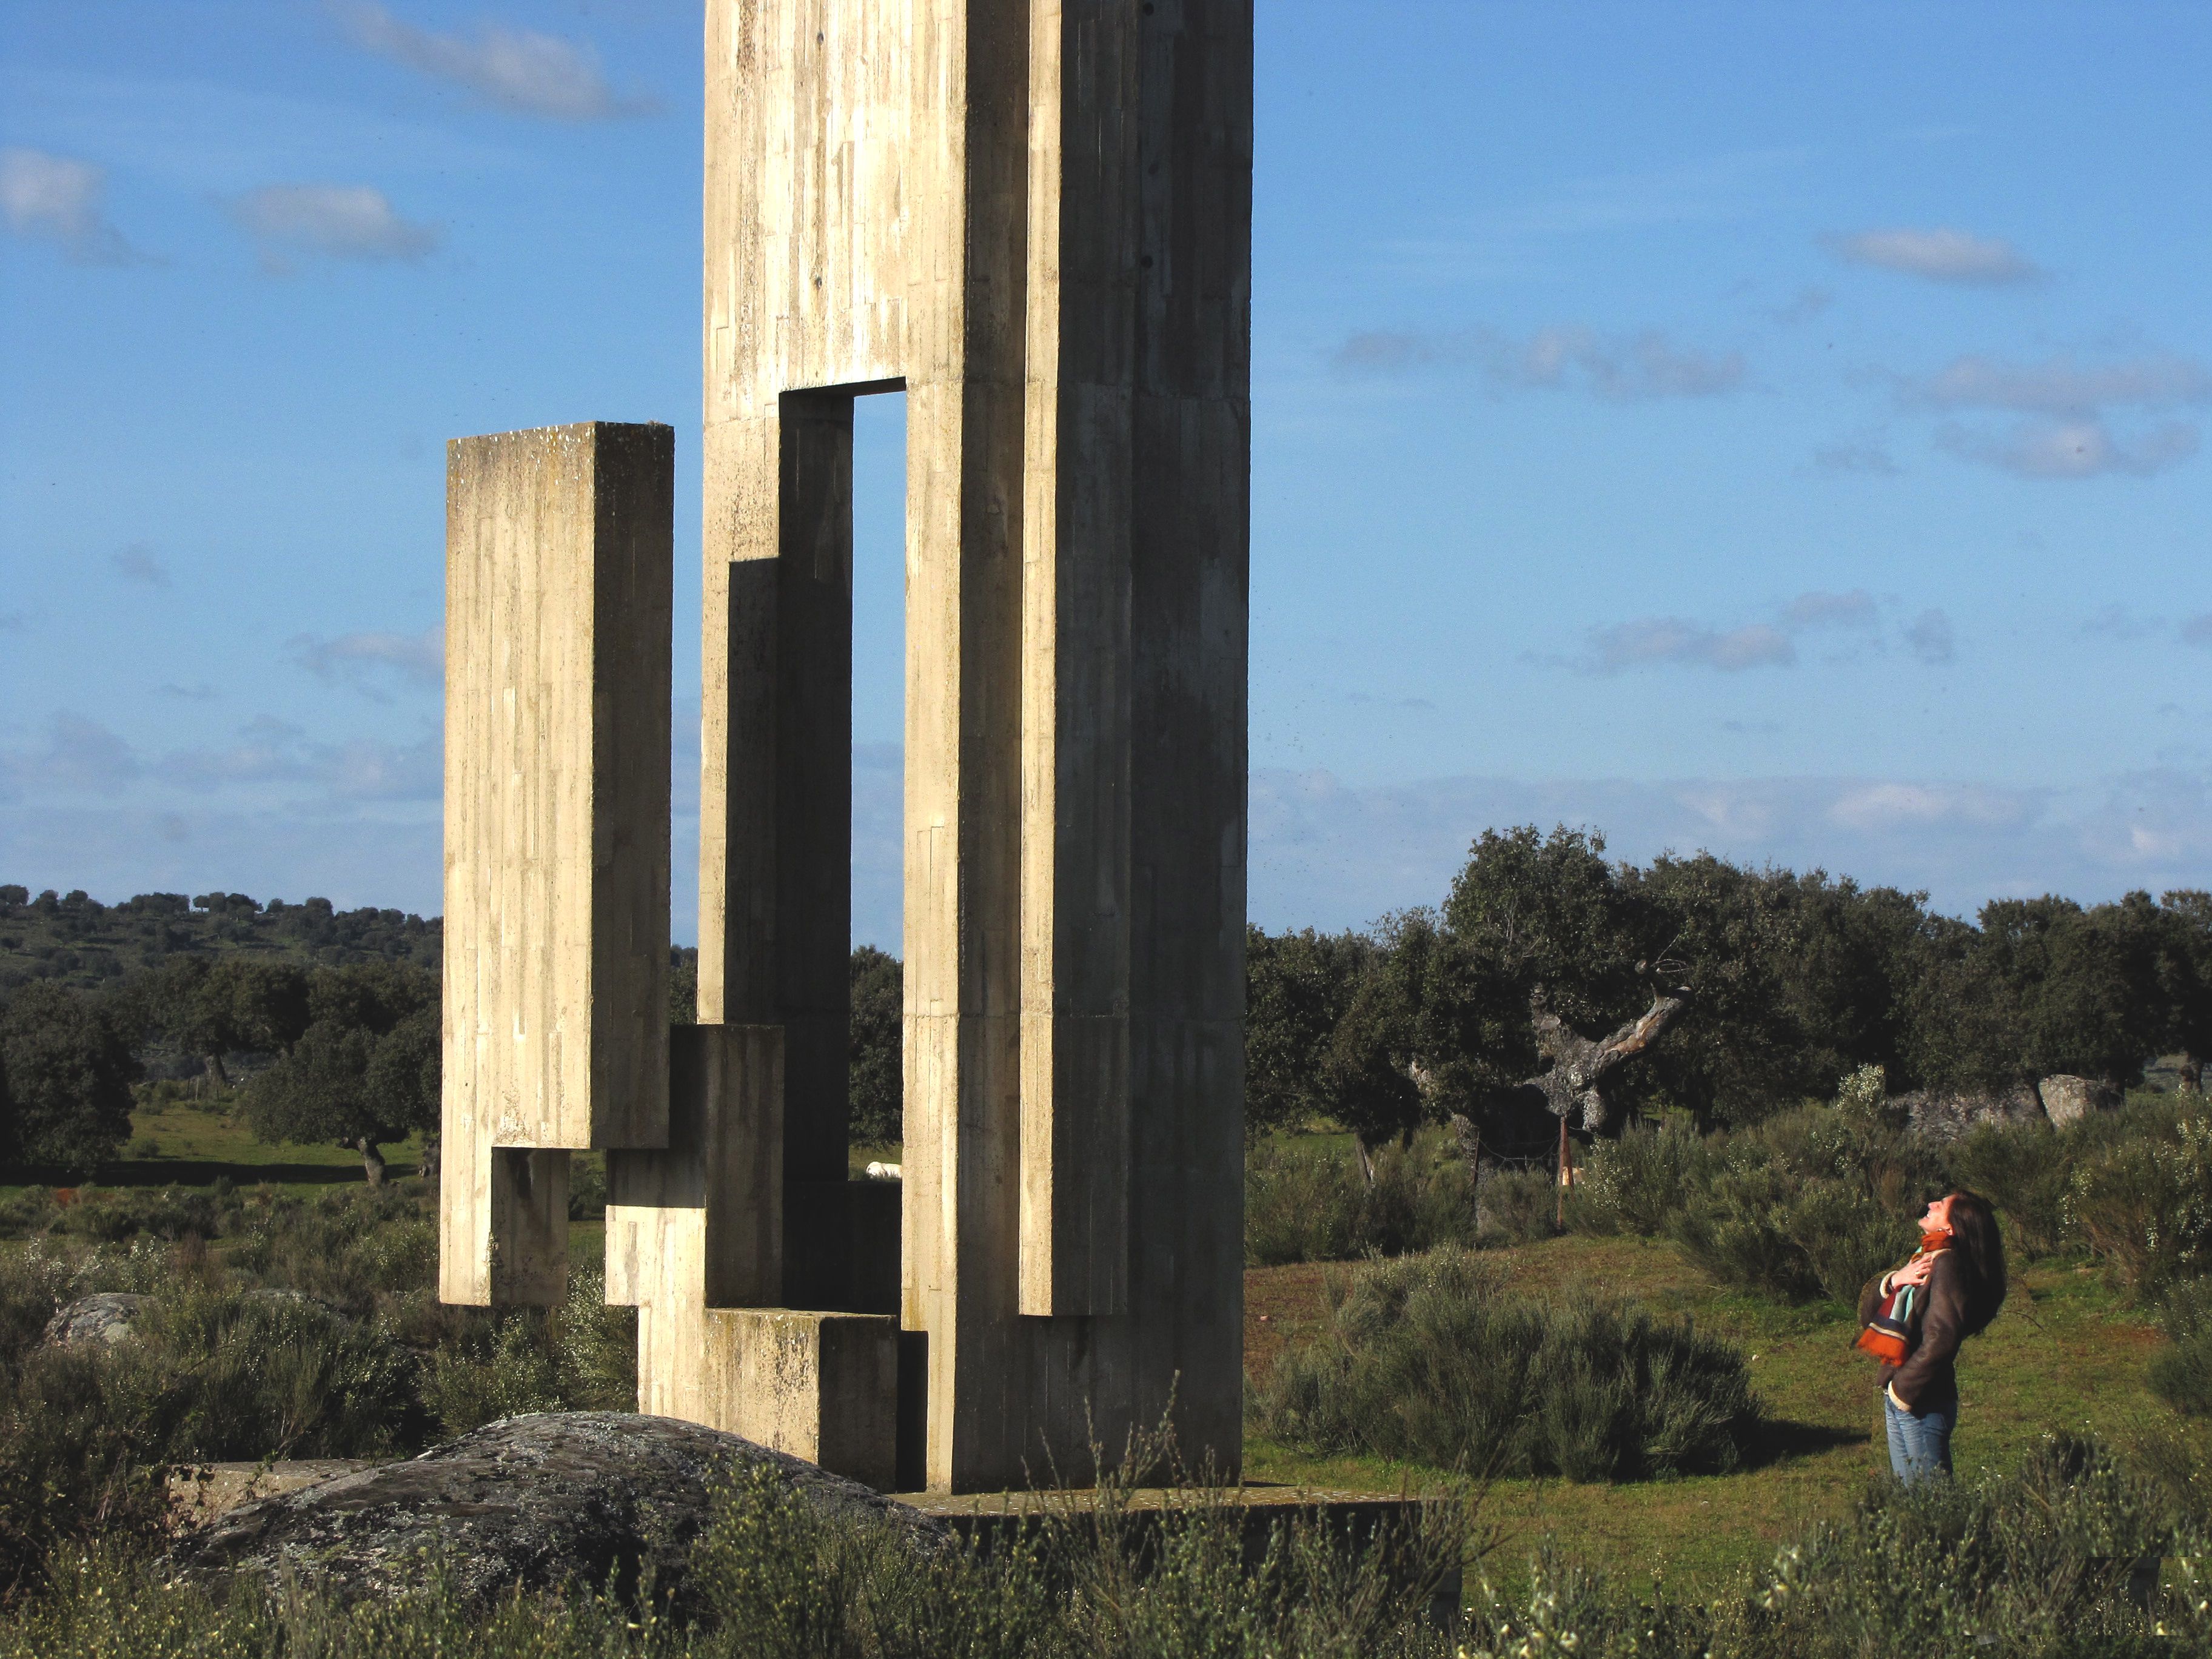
pixel 1033 217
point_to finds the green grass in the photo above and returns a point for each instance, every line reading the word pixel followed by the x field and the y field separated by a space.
pixel 199 1145
pixel 2068 1352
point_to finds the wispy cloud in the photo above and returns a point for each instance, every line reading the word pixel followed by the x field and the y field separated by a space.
pixel 1678 642
pixel 2067 404
pixel 369 661
pixel 137 563
pixel 2060 385
pixel 2197 629
pixel 1855 609
pixel 338 221
pixel 79 755
pixel 1811 301
pixel 1621 369
pixel 513 69
pixel 1940 255
pixel 1652 641
pixel 58 198
pixel 1331 854
pixel 198 691
pixel 1929 637
pixel 2073 449
pixel 1851 457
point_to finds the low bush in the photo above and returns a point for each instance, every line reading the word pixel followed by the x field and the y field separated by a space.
pixel 2143 1200
pixel 581 1356
pixel 2026 1171
pixel 207 1374
pixel 1433 1359
pixel 2032 1563
pixel 1810 1203
pixel 2181 1373
pixel 772 1577
pixel 1307 1200
pixel 1517 1207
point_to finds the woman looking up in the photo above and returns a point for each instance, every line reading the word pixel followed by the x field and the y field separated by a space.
pixel 1916 1317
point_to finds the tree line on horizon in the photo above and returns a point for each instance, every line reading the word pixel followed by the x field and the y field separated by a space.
pixel 1787 982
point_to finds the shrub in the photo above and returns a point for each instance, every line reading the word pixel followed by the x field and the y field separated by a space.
pixel 1639 1183
pixel 1432 1359
pixel 774 1577
pixel 2025 1170
pixel 2032 1562
pixel 2145 1202
pixel 2181 1373
pixel 1809 1203
pixel 1517 1206
pixel 581 1356
pixel 209 1374
pixel 1306 1201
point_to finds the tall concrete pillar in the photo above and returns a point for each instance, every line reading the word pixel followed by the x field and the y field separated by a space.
pixel 1035 216
pixel 558 590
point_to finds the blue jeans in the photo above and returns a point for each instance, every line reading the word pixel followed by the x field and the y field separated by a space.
pixel 1919 1442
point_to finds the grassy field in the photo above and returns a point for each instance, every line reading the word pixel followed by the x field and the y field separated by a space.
pixel 198 1146
pixel 2066 1353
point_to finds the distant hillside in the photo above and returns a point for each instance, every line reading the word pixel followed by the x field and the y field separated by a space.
pixel 79 941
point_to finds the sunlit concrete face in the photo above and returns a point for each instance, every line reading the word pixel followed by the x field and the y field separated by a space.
pixel 1036 217
pixel 558 591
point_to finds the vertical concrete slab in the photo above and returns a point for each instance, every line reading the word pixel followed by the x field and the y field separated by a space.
pixel 559 585
pixel 1035 216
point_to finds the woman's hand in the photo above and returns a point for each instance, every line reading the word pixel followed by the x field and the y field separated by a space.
pixel 1914 1272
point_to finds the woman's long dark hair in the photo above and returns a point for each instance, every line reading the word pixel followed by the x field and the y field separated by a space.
pixel 1974 1237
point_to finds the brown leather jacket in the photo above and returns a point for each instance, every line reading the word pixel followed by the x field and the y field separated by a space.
pixel 1926 1381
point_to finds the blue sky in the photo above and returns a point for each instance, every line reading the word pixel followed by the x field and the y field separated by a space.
pixel 1769 428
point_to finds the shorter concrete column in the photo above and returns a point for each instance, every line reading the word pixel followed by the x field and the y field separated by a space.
pixel 821 1386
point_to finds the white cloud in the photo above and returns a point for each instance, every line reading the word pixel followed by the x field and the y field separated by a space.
pixel 58 197
pixel 1329 855
pixel 2072 449
pixel 1650 641
pixel 2067 432
pixel 1889 807
pixel 2062 386
pixel 338 222
pixel 1675 642
pixel 137 563
pixel 1942 255
pixel 1621 368
pixel 515 68
pixel 365 661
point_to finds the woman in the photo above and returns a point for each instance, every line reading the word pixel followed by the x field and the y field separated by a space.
pixel 1958 1283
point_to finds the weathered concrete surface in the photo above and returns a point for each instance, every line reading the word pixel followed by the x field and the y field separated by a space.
pixel 1036 217
pixel 821 1386
pixel 699 1224
pixel 557 1499
pixel 106 1318
pixel 559 584
pixel 2068 1099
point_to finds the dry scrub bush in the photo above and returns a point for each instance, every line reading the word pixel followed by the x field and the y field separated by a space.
pixel 1433 1359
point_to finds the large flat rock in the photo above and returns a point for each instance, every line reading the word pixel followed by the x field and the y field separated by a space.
pixel 559 1498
